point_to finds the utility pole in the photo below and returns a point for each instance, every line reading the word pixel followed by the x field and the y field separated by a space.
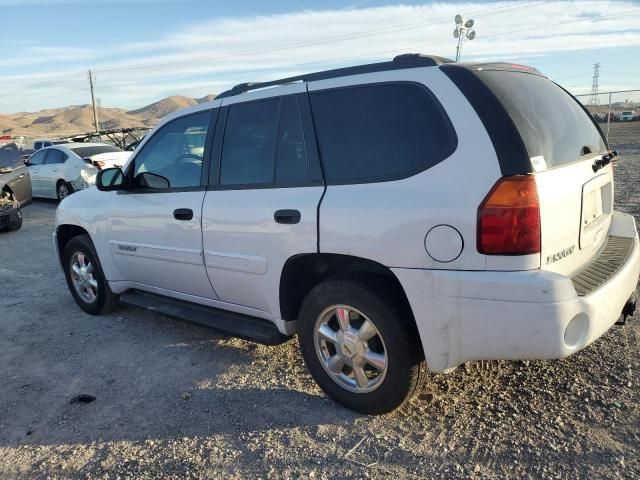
pixel 93 103
pixel 594 99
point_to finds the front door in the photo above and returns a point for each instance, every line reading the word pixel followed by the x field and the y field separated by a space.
pixel 262 207
pixel 36 162
pixel 155 232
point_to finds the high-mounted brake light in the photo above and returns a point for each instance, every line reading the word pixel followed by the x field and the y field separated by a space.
pixel 509 218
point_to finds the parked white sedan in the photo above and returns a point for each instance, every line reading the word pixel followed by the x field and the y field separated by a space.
pixel 60 170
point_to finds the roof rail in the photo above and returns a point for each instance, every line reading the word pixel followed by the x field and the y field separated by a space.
pixel 407 60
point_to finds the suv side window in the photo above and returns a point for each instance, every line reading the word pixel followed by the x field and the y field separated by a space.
pixel 292 163
pixel 56 156
pixel 175 152
pixel 249 143
pixel 264 145
pixel 380 132
pixel 38 158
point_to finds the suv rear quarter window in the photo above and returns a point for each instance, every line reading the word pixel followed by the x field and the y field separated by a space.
pixel 380 132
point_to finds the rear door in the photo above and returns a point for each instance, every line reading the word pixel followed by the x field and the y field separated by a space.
pixel 262 206
pixel 51 171
pixel 563 142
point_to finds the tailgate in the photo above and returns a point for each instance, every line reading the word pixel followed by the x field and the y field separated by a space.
pixel 563 142
pixel 575 214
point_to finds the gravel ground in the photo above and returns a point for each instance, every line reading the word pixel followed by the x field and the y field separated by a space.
pixel 178 400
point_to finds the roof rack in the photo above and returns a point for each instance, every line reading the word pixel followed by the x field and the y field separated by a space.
pixel 407 60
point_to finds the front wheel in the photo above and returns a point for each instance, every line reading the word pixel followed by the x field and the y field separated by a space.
pixel 85 278
pixel 360 345
pixel 14 223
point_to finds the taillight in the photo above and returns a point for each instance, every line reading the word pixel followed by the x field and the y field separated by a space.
pixel 100 164
pixel 509 218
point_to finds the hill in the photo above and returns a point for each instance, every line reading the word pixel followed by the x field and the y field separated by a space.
pixel 79 118
pixel 163 107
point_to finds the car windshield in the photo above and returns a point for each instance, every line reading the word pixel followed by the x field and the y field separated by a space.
pixel 85 152
pixel 10 156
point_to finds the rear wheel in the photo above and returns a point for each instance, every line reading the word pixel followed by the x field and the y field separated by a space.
pixel 85 278
pixel 63 190
pixel 360 346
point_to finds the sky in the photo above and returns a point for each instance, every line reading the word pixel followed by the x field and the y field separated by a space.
pixel 143 50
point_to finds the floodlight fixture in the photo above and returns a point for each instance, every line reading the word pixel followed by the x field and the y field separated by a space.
pixel 463 32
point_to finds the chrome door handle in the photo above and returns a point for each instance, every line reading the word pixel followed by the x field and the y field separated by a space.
pixel 54 170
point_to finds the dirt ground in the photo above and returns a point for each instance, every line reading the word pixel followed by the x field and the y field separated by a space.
pixel 178 400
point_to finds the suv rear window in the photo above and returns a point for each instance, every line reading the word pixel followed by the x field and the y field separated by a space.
pixel 380 132
pixel 551 123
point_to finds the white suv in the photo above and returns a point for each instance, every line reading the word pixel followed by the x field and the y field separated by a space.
pixel 395 216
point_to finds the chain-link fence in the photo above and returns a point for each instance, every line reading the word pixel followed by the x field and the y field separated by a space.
pixel 614 111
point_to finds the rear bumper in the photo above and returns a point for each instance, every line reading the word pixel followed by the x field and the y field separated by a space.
pixel 465 316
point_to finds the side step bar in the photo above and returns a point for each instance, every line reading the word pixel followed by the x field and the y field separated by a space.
pixel 235 324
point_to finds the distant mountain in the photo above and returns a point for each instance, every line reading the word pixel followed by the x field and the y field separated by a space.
pixel 205 99
pixel 164 107
pixel 79 118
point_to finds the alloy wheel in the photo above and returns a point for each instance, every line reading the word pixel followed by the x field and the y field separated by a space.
pixel 84 282
pixel 350 348
pixel 63 191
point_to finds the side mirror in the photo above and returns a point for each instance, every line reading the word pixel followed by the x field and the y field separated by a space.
pixel 110 179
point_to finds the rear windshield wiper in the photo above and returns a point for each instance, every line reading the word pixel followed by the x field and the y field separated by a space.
pixel 606 159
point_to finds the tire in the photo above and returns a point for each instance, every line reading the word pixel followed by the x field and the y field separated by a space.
pixel 63 190
pixel 80 250
pixel 388 387
pixel 15 222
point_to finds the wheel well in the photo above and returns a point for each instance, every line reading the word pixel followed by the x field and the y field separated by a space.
pixel 303 272
pixel 65 233
pixel 7 189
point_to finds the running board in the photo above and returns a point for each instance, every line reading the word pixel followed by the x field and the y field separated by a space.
pixel 235 324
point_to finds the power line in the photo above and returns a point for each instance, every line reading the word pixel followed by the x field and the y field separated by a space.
pixel 373 54
pixel 368 55
pixel 421 24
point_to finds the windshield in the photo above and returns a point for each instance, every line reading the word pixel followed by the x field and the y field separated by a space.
pixel 85 152
pixel 10 156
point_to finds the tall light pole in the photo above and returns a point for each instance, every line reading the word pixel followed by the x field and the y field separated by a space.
pixel 93 102
pixel 463 31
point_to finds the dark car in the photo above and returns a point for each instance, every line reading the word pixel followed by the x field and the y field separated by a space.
pixel 15 187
